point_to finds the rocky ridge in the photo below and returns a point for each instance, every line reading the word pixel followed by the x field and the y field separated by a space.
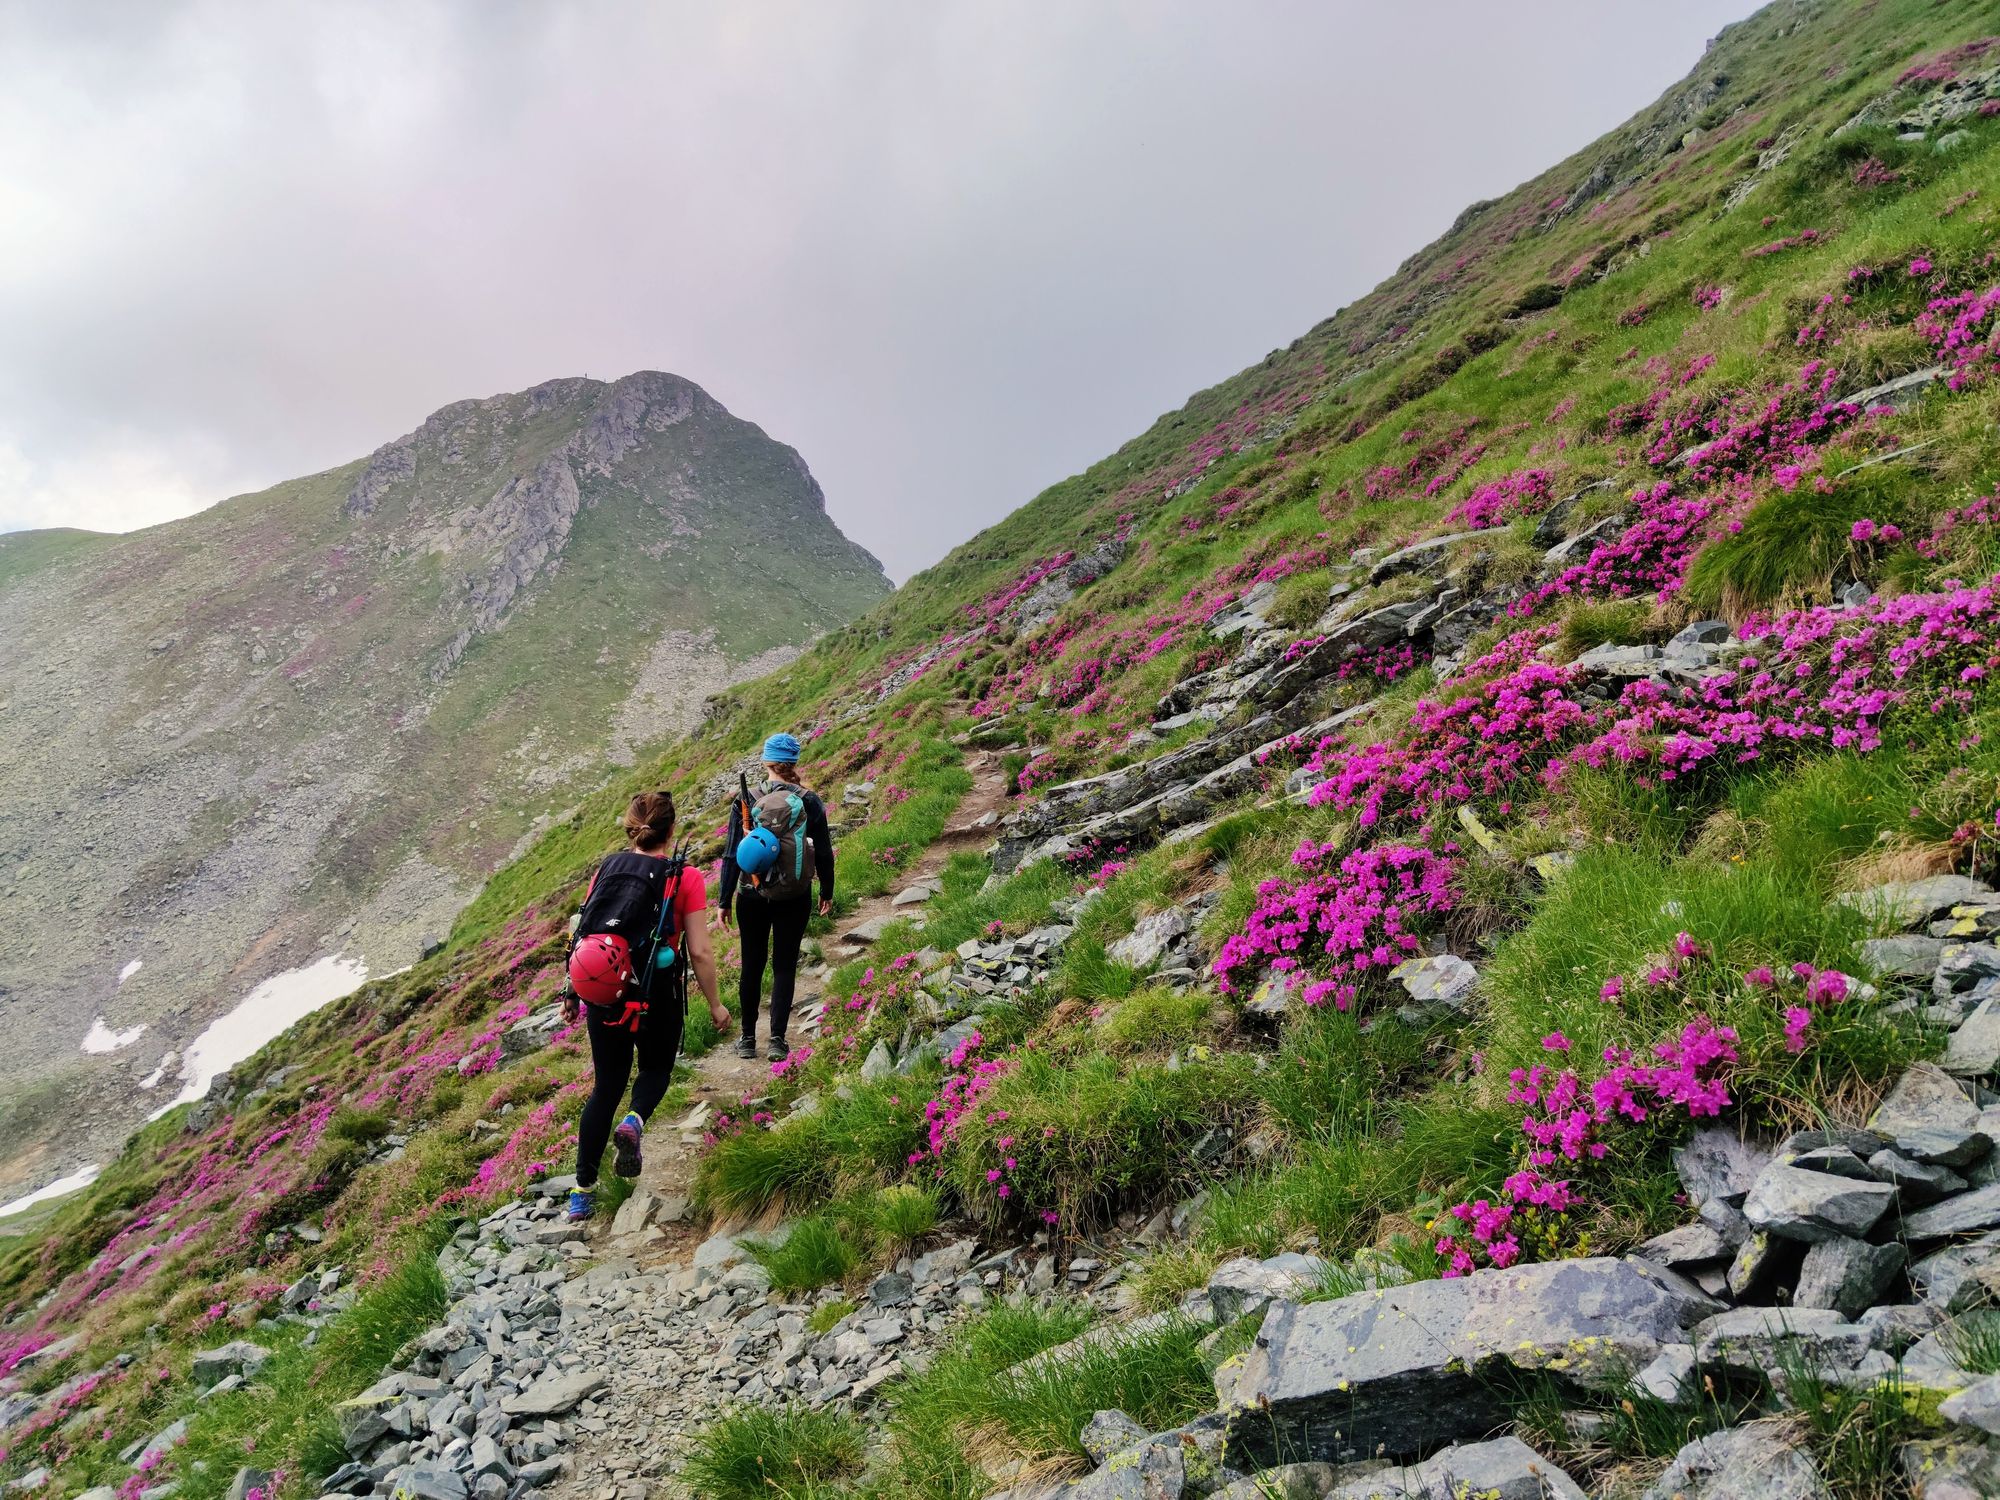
pixel 315 713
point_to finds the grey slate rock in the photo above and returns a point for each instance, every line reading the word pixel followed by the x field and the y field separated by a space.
pixel 1918 1182
pixel 238 1357
pixel 1285 1482
pixel 1759 1262
pixel 1925 1098
pixel 1910 903
pixel 1726 1220
pixel 1975 1406
pixel 1399 1370
pixel 1904 956
pixel 1753 1462
pixel 1439 979
pixel 1895 1326
pixel 1691 1244
pixel 1241 1287
pixel 1965 1214
pixel 1669 1378
pixel 1835 1161
pixel 1847 1275
pixel 1109 1432
pixel 1748 1340
pixel 554 1394
pixel 1148 941
pixel 1974 1049
pixel 1503 1468
pixel 431 1484
pixel 1716 1163
pixel 247 1479
pixel 1962 966
pixel 1153 1470
pixel 1960 1276
pixel 1799 1205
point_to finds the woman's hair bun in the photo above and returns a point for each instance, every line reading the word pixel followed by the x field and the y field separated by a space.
pixel 649 819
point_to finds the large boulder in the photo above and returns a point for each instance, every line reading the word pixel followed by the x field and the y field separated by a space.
pixel 1402 1371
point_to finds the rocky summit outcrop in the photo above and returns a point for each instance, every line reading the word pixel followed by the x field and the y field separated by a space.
pixel 313 719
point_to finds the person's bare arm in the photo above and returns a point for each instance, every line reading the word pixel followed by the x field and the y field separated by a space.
pixel 701 958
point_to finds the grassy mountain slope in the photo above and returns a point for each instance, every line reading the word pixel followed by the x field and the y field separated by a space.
pixel 1645 348
pixel 318 716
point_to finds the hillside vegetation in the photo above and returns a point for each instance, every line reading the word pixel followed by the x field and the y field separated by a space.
pixel 1600 612
pixel 324 712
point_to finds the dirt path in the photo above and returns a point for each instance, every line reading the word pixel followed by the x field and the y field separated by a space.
pixel 963 830
pixel 643 1316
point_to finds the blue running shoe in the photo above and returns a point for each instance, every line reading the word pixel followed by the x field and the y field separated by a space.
pixel 582 1204
pixel 627 1137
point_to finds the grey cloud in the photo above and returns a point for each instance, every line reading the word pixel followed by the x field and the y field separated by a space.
pixel 952 253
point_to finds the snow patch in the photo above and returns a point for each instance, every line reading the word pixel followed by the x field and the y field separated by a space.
pixel 263 1014
pixel 130 969
pixel 61 1187
pixel 102 1038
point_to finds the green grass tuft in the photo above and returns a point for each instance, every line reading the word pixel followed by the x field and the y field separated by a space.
pixel 792 1454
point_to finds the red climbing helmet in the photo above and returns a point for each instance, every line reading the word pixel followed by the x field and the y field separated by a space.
pixel 600 968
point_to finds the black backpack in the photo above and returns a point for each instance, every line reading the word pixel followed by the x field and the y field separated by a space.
pixel 630 897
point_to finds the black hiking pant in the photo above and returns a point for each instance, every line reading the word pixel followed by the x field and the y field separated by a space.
pixel 773 930
pixel 612 1051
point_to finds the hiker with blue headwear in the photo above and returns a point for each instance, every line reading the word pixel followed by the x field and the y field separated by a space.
pixel 778 844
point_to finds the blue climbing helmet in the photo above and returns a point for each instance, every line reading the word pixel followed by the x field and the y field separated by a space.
pixel 757 852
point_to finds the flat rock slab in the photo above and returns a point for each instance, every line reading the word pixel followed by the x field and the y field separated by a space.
pixel 1968 1213
pixel 1756 1462
pixel 1910 903
pixel 554 1395
pixel 1399 1372
pixel 1795 1204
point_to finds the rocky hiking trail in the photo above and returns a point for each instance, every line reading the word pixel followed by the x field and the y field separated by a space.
pixel 663 1327
pixel 720 1080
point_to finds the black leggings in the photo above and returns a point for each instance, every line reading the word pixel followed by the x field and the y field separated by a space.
pixel 612 1049
pixel 772 929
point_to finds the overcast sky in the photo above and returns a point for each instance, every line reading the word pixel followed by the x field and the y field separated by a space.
pixel 951 252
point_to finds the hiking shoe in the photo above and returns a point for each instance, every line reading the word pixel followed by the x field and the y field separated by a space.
pixel 627 1137
pixel 746 1046
pixel 778 1051
pixel 582 1204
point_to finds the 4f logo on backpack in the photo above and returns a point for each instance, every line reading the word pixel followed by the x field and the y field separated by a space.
pixel 627 938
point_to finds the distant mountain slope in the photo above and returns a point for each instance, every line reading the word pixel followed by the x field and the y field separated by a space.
pixel 318 716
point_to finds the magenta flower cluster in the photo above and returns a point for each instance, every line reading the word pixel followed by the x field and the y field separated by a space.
pixel 1361 916
pixel 1523 493
pixel 1568 1121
